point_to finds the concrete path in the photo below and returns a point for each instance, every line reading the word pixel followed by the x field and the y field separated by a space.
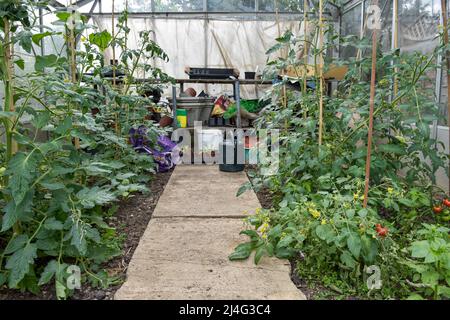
pixel 183 254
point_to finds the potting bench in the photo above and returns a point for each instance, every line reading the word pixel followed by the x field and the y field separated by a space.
pixel 236 92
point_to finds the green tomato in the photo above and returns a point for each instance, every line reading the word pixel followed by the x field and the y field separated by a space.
pixel 125 182
pixel 2 170
pixel 125 194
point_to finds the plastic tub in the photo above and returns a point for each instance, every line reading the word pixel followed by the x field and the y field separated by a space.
pixel 198 109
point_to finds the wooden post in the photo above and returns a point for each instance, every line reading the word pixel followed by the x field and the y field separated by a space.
pixel 11 144
pixel 305 45
pixel 282 71
pixel 371 109
pixel 73 59
pixel 445 27
pixel 321 71
pixel 113 18
pixel 113 45
pixel 395 41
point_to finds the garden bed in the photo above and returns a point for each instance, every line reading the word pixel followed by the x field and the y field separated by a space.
pixel 130 221
pixel 312 291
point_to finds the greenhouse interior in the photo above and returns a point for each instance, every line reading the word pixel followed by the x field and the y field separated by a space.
pixel 224 150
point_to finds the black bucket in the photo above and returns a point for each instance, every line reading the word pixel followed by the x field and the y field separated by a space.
pixel 236 162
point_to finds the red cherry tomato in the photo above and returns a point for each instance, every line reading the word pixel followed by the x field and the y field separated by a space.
pixel 382 232
pixel 437 209
pixel 446 202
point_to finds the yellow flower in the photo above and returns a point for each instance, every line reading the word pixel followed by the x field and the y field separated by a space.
pixel 264 236
pixel 264 227
pixel 324 221
pixel 390 190
pixel 314 212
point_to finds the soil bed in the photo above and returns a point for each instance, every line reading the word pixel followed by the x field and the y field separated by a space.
pixel 131 220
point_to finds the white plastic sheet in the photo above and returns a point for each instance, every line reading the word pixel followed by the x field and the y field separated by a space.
pixel 209 43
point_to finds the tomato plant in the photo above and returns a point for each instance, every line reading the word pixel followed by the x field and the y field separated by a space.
pixel 318 219
pixel 56 191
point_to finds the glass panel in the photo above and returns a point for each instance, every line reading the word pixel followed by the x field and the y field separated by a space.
pixel 418 24
pixel 418 27
pixel 350 25
pixel 385 37
pixel 178 5
pixel 106 5
pixel 87 7
pixel 133 5
pixel 231 5
pixel 283 6
pixel 56 43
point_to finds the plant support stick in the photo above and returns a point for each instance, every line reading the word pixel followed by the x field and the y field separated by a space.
pixel 11 145
pixel 283 71
pixel 371 107
pixel 73 60
pixel 445 27
pixel 305 45
pixel 321 71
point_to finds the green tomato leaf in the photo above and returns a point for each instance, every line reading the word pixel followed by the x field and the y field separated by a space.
pixel 347 259
pixel 259 254
pixel 89 197
pixel 101 39
pixel 22 169
pixel 354 244
pixel 392 148
pixel 19 264
pixel 245 187
pixel 49 272
pixel 53 224
pixel 420 249
pixel 17 243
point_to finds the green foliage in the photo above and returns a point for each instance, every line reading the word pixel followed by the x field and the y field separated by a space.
pixel 56 193
pixel 318 219
pixel 430 262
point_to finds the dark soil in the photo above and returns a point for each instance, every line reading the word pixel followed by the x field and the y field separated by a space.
pixel 131 220
pixel 310 291
pixel 264 195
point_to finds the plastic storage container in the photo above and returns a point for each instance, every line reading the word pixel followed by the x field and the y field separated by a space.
pixel 198 109
pixel 181 118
